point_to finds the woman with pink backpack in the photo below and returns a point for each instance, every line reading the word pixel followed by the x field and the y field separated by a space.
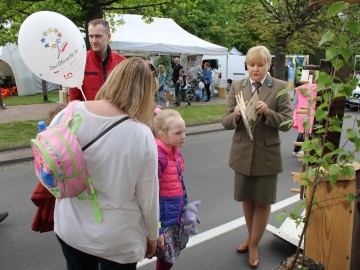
pixel 123 167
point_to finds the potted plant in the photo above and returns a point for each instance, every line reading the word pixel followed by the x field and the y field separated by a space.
pixel 326 163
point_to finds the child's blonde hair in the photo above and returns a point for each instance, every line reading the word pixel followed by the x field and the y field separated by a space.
pixel 163 120
pixel 182 71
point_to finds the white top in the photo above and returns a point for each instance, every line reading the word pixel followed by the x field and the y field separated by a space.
pixel 123 166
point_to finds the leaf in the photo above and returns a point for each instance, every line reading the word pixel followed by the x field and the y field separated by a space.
pixel 348 171
pixel 335 9
pixel 334 169
pixel 319 115
pixel 353 27
pixel 351 133
pixel 328 36
pixel 282 216
pixel 333 179
pixel 330 146
pixel 350 196
pixel 331 53
pixel 284 91
pixel 287 122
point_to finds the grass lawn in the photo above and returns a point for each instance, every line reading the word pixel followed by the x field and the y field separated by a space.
pixel 53 96
pixel 19 133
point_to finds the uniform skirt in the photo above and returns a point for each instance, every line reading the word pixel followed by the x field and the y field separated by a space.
pixel 261 189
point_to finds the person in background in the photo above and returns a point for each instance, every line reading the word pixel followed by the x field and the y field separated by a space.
pixel 299 101
pixel 123 165
pixel 207 77
pixel 100 61
pixel 257 163
pixel 169 130
pixel 2 105
pixel 357 74
pixel 3 216
pixel 162 80
pixel 175 77
pixel 182 89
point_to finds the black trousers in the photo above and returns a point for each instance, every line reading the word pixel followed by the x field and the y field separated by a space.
pixel 78 260
pixel 207 87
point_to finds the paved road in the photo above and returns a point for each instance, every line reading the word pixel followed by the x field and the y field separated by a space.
pixel 208 178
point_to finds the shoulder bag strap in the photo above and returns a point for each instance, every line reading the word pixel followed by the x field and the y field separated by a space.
pixel 105 131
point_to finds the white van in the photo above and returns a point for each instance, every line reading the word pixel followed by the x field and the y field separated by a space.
pixel 231 67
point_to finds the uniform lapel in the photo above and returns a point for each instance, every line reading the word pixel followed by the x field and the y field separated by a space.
pixel 266 88
pixel 245 88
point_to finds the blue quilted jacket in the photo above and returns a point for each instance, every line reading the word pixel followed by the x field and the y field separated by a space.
pixel 172 196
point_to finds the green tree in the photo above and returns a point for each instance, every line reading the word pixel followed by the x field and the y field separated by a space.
pixel 287 26
pixel 14 12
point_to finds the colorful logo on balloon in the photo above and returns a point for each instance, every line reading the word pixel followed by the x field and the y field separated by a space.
pixel 52 39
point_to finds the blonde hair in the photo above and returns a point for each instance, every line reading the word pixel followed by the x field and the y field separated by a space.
pixel 182 71
pixel 130 88
pixel 258 54
pixel 161 68
pixel 163 120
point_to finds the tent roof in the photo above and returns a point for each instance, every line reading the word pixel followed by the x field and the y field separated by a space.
pixel 161 36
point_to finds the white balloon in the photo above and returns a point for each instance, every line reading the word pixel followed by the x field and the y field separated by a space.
pixel 201 85
pixel 53 48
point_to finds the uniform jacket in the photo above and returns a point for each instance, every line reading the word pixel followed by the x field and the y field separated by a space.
pixel 262 156
pixel 172 196
pixel 94 74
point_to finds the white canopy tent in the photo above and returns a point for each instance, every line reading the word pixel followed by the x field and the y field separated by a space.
pixel 13 67
pixel 162 36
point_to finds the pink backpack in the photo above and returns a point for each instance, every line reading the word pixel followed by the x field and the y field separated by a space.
pixel 59 161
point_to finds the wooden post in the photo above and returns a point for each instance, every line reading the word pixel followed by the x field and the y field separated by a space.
pixel 44 90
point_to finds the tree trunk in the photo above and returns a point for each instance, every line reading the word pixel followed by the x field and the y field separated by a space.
pixel 91 13
pixel 279 65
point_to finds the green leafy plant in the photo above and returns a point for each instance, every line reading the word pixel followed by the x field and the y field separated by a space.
pixel 324 160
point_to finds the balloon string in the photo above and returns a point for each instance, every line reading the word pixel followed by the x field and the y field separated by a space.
pixel 82 92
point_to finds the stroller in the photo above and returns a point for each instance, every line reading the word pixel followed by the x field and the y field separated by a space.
pixel 193 88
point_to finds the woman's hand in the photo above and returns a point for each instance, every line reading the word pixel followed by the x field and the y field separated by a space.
pixel 151 248
pixel 237 111
pixel 262 108
pixel 160 242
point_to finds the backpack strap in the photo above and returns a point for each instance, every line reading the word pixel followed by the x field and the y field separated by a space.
pixel 69 112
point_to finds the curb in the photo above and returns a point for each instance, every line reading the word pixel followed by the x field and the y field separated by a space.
pixel 29 157
pixel 16 160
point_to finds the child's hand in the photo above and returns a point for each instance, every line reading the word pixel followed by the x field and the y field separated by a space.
pixel 160 242
pixel 150 248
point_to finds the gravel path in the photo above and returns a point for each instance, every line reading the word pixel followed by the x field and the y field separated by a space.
pixel 26 112
pixel 41 111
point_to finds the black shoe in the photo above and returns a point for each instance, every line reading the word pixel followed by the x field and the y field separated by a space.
pixel 176 104
pixel 207 100
pixel 3 216
pixel 189 105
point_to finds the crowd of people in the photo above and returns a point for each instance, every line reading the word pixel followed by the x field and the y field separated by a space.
pixel 138 169
pixel 142 204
